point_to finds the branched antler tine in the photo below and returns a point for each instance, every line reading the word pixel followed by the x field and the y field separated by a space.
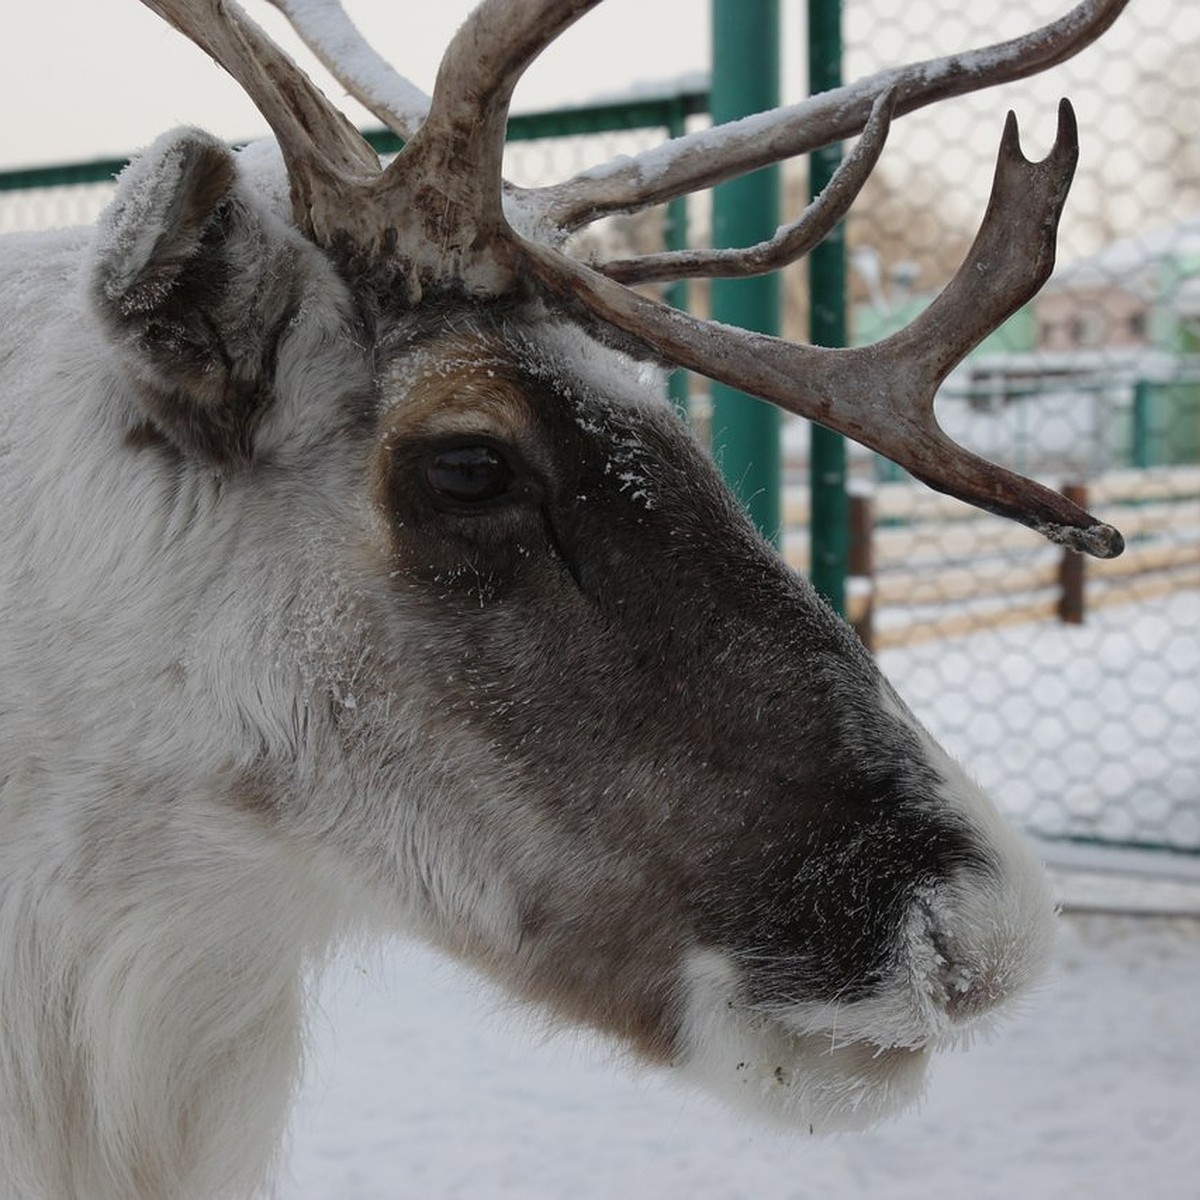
pixel 1012 256
pixel 442 199
pixel 460 146
pixel 323 151
pixel 882 395
pixel 791 242
pixel 708 157
pixel 329 33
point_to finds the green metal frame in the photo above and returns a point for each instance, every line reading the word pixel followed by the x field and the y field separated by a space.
pixel 746 431
pixel 669 112
pixel 99 170
pixel 829 504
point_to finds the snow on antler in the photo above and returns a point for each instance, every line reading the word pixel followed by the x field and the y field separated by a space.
pixel 708 157
pixel 790 242
pixel 329 33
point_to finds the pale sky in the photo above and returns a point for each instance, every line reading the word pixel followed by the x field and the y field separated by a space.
pixel 92 78
pixel 84 79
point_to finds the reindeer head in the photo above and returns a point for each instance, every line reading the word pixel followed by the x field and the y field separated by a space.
pixel 526 669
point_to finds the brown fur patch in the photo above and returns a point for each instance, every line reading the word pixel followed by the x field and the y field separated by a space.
pixel 253 792
pixel 470 387
pixel 615 978
pixel 145 435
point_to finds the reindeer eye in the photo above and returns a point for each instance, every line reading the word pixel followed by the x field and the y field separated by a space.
pixel 469 474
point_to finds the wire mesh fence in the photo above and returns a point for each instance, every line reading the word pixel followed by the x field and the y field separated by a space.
pixel 49 206
pixel 1070 689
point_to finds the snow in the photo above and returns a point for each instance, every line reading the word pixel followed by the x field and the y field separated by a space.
pixel 427 1085
pixel 326 28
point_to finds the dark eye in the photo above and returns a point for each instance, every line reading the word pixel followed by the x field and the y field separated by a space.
pixel 469 474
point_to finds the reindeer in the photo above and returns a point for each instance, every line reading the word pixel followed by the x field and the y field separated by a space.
pixel 356 579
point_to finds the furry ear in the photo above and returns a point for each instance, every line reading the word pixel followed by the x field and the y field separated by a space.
pixel 196 283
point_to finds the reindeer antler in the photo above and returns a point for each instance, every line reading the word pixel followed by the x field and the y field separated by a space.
pixel 330 34
pixel 703 159
pixel 435 219
pixel 444 191
pixel 790 242
pixel 882 395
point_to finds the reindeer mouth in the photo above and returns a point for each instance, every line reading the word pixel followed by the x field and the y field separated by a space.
pixel 830 1066
pixel 818 1083
pixel 820 1079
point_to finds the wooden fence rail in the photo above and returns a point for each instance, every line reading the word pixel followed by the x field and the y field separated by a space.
pixel 924 567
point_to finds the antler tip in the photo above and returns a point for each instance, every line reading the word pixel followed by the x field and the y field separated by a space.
pixel 1011 137
pixel 1066 139
pixel 1099 540
pixel 1067 136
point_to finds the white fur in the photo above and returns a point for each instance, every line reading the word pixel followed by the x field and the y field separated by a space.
pixel 165 635
pixel 153 940
pixel 824 1079
pixel 134 1009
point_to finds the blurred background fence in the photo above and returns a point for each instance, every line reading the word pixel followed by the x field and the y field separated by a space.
pixel 1071 689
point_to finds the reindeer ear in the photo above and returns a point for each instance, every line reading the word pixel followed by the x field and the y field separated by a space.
pixel 195 282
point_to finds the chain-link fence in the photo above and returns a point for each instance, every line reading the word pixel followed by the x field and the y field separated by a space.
pixel 1070 689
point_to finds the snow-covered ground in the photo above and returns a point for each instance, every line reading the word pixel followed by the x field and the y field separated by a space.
pixel 426 1085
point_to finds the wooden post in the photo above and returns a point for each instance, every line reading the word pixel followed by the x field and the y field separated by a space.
pixel 1071 569
pixel 861 568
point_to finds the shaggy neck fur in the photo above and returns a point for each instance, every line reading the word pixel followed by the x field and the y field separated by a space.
pixel 152 1008
pixel 155 938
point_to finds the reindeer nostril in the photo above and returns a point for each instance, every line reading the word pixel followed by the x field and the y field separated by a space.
pixel 967 998
pixel 963 962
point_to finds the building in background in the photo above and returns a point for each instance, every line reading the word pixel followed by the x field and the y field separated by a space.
pixel 1100 370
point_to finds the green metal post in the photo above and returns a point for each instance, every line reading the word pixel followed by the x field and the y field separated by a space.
pixel 830 520
pixel 1141 453
pixel 745 431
